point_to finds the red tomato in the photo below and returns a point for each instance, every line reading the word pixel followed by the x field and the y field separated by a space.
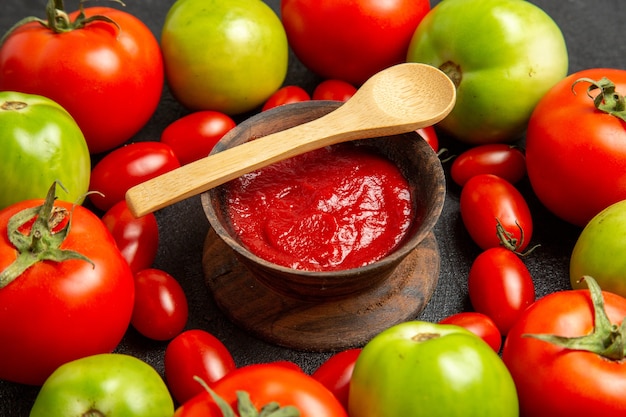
pixel 126 167
pixel 136 237
pixel 335 373
pixel 108 76
pixel 500 286
pixel 480 324
pixel 488 200
pixel 193 136
pixel 55 312
pixel 351 40
pixel 286 95
pixel 552 380
pixel 575 153
pixel 429 134
pixel 161 310
pixel 336 90
pixel 505 161
pixel 195 353
pixel 267 383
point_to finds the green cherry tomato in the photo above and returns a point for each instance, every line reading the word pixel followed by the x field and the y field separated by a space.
pixel 41 144
pixel 599 251
pixel 223 55
pixel 503 56
pixel 109 384
pixel 418 368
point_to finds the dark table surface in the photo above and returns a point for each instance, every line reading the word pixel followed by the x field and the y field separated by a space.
pixel 593 32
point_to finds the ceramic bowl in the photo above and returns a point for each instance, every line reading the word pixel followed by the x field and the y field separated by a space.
pixel 416 160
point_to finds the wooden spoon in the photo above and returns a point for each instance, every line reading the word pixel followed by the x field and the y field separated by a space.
pixel 397 100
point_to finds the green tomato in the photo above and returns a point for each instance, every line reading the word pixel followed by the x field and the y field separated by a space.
pixel 41 143
pixel 223 55
pixel 109 384
pixel 600 251
pixel 418 368
pixel 503 56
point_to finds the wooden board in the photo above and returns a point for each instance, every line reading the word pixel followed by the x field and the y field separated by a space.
pixel 326 326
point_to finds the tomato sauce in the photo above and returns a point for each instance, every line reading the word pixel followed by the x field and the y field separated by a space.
pixel 334 208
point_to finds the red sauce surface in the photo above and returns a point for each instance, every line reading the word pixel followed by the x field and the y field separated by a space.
pixel 335 208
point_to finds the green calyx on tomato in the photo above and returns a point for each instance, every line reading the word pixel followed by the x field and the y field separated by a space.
pixel 609 100
pixel 606 339
pixel 58 20
pixel 50 227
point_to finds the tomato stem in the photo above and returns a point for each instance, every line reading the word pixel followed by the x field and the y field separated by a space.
pixel 606 339
pixel 608 100
pixel 43 239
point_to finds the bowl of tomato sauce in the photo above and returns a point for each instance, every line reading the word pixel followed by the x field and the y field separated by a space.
pixel 332 223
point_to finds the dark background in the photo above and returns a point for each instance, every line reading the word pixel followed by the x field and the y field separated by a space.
pixel 593 31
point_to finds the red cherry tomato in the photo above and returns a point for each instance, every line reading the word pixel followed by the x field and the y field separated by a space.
pixel 336 90
pixel 480 324
pixel 488 202
pixel 286 95
pixel 195 353
pixel 336 372
pixel 161 310
pixel 193 136
pixel 430 136
pixel 499 159
pixel 500 286
pixel 126 167
pixel 136 237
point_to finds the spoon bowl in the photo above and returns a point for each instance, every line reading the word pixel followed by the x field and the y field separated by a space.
pixel 397 100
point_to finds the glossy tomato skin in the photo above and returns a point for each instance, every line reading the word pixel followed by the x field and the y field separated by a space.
pixel 193 136
pixel 376 37
pixel 599 251
pixel 335 373
pixel 109 384
pixel 98 73
pixel 41 143
pixel 500 286
pixel 503 160
pixel 57 312
pixel 136 237
pixel 516 54
pixel 566 132
pixel 192 353
pixel 229 57
pixel 285 95
pixel 419 368
pixel 336 90
pixel 126 167
pixel 478 323
pixel 265 383
pixel 161 310
pixel 429 134
pixel 487 197
pixel 580 383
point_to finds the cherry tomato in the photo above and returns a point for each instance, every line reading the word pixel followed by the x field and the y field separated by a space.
pixel 335 373
pixel 336 90
pixel 286 95
pixel 500 286
pixel 429 134
pixel 195 353
pixel 193 136
pixel 161 310
pixel 495 213
pixel 136 237
pixel 267 383
pixel 505 161
pixel 351 40
pixel 107 74
pixel 478 323
pixel 126 167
